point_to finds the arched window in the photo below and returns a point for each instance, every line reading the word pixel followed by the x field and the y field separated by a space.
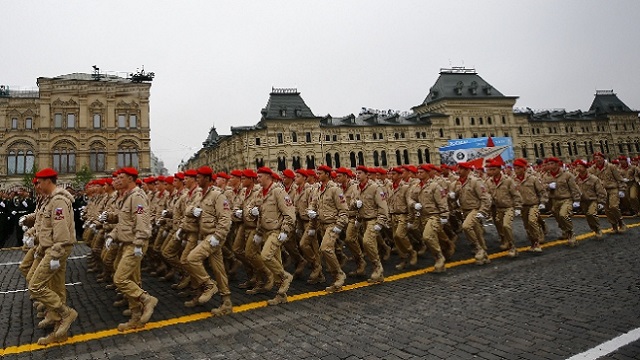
pixel 337 159
pixel 419 156
pixel 427 156
pixel 360 158
pixel 97 155
pixel 295 161
pixel 406 156
pixel 128 155
pixel 327 160
pixel 535 151
pixel 311 162
pixel 524 151
pixel 352 158
pixel 376 161
pixel 282 163
pixel 480 122
pixel 383 155
pixel 457 121
pixel 398 158
pixel 473 121
pixel 64 159
pixel 20 160
pixel 489 121
pixel 569 149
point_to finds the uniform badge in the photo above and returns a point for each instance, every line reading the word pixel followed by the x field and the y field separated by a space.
pixel 443 193
pixel 383 195
pixel 225 205
pixel 287 201
pixel 341 196
pixel 59 214
pixel 140 210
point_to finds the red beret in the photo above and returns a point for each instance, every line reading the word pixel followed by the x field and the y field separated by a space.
pixel 265 170
pixel 615 162
pixel 149 180
pixel 138 182
pixel 325 168
pixel 411 168
pixel 276 177
pixel 190 172
pixel 108 181
pixel 249 173
pixel 46 173
pixel 466 165
pixel 115 173
pixel 169 179
pixel 362 168
pixel 580 162
pixel 236 172
pixel 179 175
pixel 493 164
pixel 224 175
pixel 342 170
pixel 599 154
pixel 397 169
pixel 205 170
pixel 302 172
pixel 382 171
pixel 554 159
pixel 520 162
pixel 129 171
pixel 312 173
pixel 429 167
pixel 333 174
pixel 161 178
pixel 289 173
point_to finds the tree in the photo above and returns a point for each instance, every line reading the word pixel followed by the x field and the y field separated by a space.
pixel 83 176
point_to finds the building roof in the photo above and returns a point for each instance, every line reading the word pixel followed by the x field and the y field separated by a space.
pixel 377 118
pixel 90 77
pixel 558 115
pixel 606 102
pixel 286 104
pixel 461 83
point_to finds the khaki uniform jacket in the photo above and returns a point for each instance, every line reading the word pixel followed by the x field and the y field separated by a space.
pixel 504 192
pixel 531 190
pixel 610 177
pixel 232 196
pixel 349 194
pixel 472 194
pixel 177 210
pixel 189 222
pixel 216 214
pixel 134 223
pixel 330 204
pixel 54 221
pixel 111 207
pixel 432 197
pixel 160 201
pixel 399 198
pixel 276 210
pixel 629 174
pixel 245 201
pixel 301 199
pixel 374 203
pixel 566 187
pixel 592 189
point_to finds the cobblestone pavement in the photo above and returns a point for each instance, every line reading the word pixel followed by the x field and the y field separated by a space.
pixel 538 306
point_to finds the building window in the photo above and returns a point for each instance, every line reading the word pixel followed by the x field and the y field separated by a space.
pixel 524 152
pixel 542 150
pixel 335 137
pixel 473 121
pixel 133 122
pixel 417 135
pixel 376 160
pixel 352 158
pixel 441 131
pixel 480 122
pixel 282 163
pixel 327 138
pixel 337 159
pixel 283 112
pixel 489 121
pixel 427 156
pixel 327 160
pixel 475 135
pixel 71 121
pixel 28 123
pixel 259 162
pixel 457 121
pixel 295 162
pixel 424 135
pixel 402 135
pixel 535 151
pixel 280 139
pixel 506 134
pixel 308 135
pixel 64 160
pixel 396 136
pixel 459 136
pixel 375 136
pixel 14 123
pixel 257 141
pixel 383 156
pixel 398 158
pixel 97 121
pixel 520 130
pixel 97 159
pixel 311 162
pixel 380 136
pixel 19 161
pixel 122 121
pixel 419 156
pixel 358 136
pixel 504 120
pixel 294 137
pixel 57 121
pixel 360 158
pixel 350 136
pixel 127 157
pixel 406 156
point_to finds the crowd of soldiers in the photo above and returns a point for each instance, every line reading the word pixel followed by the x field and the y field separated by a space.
pixel 198 228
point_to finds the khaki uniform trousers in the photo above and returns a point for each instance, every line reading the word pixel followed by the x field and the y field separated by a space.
pixel 562 212
pixel 472 228
pixel 531 221
pixel 352 240
pixel 612 207
pixel 195 265
pixel 503 220
pixel 370 241
pixel 309 245
pixel 590 211
pixel 328 247
pixel 108 257
pixel 48 286
pixel 272 254
pixel 238 247
pixel 127 278
pixel 400 236
pixel 27 262
pixel 172 250
pixel 252 252
pixel 432 227
pixel 634 197
pixel 97 244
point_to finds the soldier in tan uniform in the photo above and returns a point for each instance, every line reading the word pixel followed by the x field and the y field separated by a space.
pixel 507 203
pixel 276 215
pixel 399 198
pixel 187 233
pixel 328 214
pixel 593 195
pixel 308 241
pixel 534 197
pixel 475 204
pixel 627 172
pixel 291 245
pixel 370 202
pixel 352 234
pixel 564 195
pixel 132 231
pixel 172 248
pixel 634 186
pixel 615 187
pixel 230 186
pixel 55 229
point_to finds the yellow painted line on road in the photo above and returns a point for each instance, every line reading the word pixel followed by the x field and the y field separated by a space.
pixel 261 304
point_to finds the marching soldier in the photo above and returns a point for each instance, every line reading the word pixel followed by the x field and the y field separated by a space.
pixel 534 197
pixel 507 203
pixel 308 241
pixel 593 195
pixel 562 191
pixel 399 198
pixel 291 245
pixel 352 235
pixel 615 187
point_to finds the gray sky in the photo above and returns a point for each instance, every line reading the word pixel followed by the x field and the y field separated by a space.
pixel 215 62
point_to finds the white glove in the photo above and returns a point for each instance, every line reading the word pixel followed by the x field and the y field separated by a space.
pixel 444 220
pixel 356 223
pixel 2 204
pixel 92 227
pixel 552 185
pixel 257 239
pixel 178 234
pixel 197 212
pixel 576 204
pixel 358 204
pixel 417 206
pixel 21 220
pixel 625 180
pixel 158 222
pixel 311 232
pixel 108 242
pixel 28 241
pixel 13 212
pixel 213 241
pixel 452 195
pixel 82 208
pixel 409 226
pixel 137 251
pixel 24 228
pixel 336 230
pixel 621 194
pixel 312 214
pixel 377 227
pixel 102 217
pixel 54 264
pixel 165 212
pixel 255 211
pixel 84 225
pixel 184 243
pixel 480 216
pixel 282 237
pixel 238 213
pixel 600 206
pixel 517 212
pixel 24 203
pixel 541 207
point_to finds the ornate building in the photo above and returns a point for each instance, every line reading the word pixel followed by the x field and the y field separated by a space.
pixel 459 105
pixel 76 120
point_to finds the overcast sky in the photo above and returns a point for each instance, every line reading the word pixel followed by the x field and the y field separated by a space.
pixel 215 62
